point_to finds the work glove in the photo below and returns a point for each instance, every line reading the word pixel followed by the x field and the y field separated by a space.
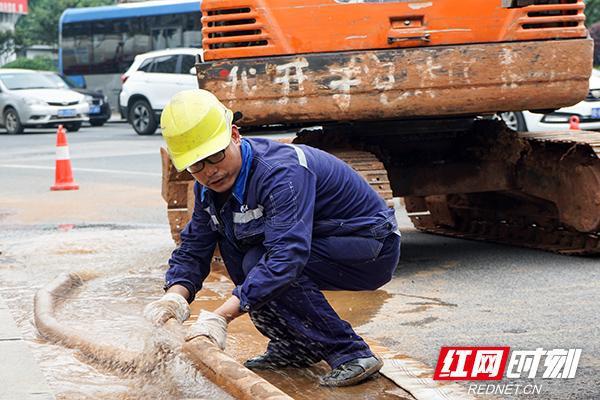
pixel 171 305
pixel 211 325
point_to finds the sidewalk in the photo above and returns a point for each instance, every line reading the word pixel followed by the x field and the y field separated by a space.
pixel 20 375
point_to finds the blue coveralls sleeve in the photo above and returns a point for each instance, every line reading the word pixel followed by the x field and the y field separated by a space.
pixel 288 195
pixel 189 264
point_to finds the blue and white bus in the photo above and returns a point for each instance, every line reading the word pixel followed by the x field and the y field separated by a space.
pixel 97 44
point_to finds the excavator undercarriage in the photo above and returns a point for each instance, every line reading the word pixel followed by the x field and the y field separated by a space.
pixel 551 200
pixel 480 180
pixel 465 178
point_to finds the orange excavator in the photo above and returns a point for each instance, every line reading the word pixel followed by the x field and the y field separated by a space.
pixel 406 90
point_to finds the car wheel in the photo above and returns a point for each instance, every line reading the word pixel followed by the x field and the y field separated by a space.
pixel 73 126
pixel 97 123
pixel 514 120
pixel 142 118
pixel 12 122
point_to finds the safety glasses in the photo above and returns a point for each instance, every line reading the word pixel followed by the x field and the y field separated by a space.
pixel 198 166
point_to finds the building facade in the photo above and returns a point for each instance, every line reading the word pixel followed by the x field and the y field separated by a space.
pixel 10 11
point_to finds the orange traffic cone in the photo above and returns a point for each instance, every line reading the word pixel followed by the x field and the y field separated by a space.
pixel 574 123
pixel 63 179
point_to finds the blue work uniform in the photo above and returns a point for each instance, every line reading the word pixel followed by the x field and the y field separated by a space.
pixel 298 221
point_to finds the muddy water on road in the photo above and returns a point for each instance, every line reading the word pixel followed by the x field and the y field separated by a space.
pixel 130 264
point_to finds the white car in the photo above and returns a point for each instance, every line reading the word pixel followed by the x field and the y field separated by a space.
pixel 587 110
pixel 151 81
pixel 30 99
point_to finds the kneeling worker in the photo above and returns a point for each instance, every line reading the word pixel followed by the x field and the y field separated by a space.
pixel 290 221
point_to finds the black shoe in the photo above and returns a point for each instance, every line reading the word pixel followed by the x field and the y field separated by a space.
pixel 269 360
pixel 352 372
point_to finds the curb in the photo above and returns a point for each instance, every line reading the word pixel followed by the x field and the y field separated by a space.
pixel 21 376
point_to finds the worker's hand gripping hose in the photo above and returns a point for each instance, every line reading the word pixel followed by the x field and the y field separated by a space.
pixel 171 305
pixel 211 325
pixel 216 365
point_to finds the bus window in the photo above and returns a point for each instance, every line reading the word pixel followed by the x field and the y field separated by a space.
pixel 192 31
pixel 138 39
pixel 166 38
pixel 107 45
pixel 166 32
pixel 76 47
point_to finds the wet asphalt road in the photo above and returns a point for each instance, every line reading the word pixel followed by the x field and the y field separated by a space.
pixel 446 292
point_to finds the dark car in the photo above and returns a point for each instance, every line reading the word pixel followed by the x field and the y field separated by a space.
pixel 100 110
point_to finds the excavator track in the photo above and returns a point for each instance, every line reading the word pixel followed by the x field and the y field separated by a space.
pixel 352 153
pixel 514 216
pixel 517 218
pixel 370 168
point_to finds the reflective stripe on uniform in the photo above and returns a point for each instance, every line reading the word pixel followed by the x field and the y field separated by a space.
pixel 248 215
pixel 212 217
pixel 301 156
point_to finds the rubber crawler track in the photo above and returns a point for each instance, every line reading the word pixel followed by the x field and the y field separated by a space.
pixel 485 223
pixel 370 168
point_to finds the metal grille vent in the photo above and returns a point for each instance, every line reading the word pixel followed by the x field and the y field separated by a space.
pixel 548 14
pixel 231 28
pixel 60 104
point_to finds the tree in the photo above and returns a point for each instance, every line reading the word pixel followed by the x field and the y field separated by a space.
pixel 592 12
pixel 7 43
pixel 595 34
pixel 40 25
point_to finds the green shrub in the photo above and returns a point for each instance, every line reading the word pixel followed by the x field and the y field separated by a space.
pixel 38 63
pixel 592 12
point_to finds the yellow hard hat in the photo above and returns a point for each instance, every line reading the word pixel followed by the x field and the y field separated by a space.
pixel 195 125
